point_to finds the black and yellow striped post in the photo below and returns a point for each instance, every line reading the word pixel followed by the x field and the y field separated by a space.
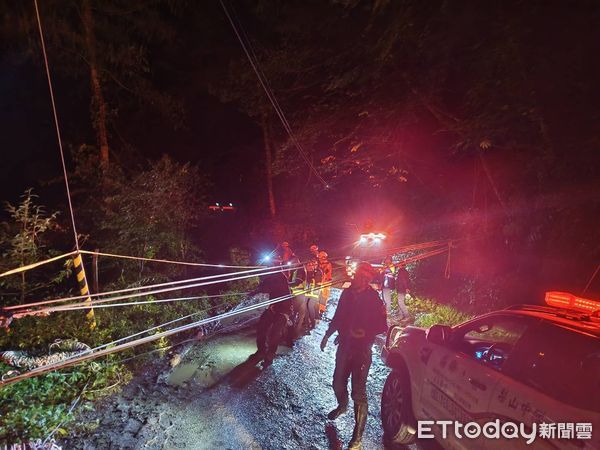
pixel 83 287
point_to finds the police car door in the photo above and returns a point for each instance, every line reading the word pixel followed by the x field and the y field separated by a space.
pixel 551 382
pixel 461 376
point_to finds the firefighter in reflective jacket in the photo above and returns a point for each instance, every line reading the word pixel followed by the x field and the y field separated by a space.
pixel 304 287
pixel 359 317
pixel 327 270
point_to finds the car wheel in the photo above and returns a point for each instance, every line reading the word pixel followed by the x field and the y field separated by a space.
pixel 396 409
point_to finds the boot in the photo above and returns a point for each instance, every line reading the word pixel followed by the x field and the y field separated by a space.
pixel 266 363
pixel 256 357
pixel 337 412
pixel 360 420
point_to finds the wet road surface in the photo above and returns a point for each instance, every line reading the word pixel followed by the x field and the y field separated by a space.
pixel 215 399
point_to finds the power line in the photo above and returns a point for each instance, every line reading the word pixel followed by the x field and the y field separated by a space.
pixel 271 96
pixel 276 104
pixel 248 273
pixel 149 302
pixel 167 261
pixel 255 272
pixel 113 255
pixel 92 354
pixel 60 146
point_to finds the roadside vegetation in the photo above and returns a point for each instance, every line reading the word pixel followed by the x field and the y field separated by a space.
pixel 151 212
pixel 427 312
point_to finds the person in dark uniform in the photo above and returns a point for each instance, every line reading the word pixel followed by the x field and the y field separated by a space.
pixel 359 317
pixel 313 296
pixel 273 323
pixel 389 273
pixel 403 289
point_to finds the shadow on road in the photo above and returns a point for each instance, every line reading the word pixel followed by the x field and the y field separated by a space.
pixel 334 441
pixel 243 374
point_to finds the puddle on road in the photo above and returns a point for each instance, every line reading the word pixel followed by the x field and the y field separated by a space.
pixel 182 373
pixel 207 363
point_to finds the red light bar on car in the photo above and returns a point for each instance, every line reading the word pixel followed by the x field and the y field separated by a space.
pixel 570 301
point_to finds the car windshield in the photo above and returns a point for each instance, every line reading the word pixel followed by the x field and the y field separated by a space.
pixel 490 339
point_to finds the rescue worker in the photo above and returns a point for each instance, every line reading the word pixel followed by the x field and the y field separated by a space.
pixel 304 286
pixel 389 272
pixel 314 251
pixel 403 289
pixel 359 317
pixel 327 270
pixel 286 254
pixel 273 322
pixel 313 297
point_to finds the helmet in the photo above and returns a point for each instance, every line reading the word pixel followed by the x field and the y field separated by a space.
pixel 366 268
pixel 285 244
pixel 323 255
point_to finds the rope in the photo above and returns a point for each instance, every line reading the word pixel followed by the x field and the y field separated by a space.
pixel 166 300
pixel 253 272
pixel 107 351
pixel 60 146
pixel 184 263
pixel 36 264
pixel 264 83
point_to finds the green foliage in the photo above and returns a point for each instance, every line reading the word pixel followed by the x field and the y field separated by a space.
pixel 31 222
pixel 23 241
pixel 31 408
pixel 152 212
pixel 428 312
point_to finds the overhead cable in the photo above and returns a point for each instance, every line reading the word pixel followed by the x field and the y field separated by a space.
pixel 262 79
pixel 252 272
pixel 60 146
pixel 149 302
pixel 167 261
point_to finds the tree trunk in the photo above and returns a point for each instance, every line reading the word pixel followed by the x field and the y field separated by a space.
pixel 268 162
pixel 98 105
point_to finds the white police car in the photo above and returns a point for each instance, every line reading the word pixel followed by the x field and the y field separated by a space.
pixel 524 377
